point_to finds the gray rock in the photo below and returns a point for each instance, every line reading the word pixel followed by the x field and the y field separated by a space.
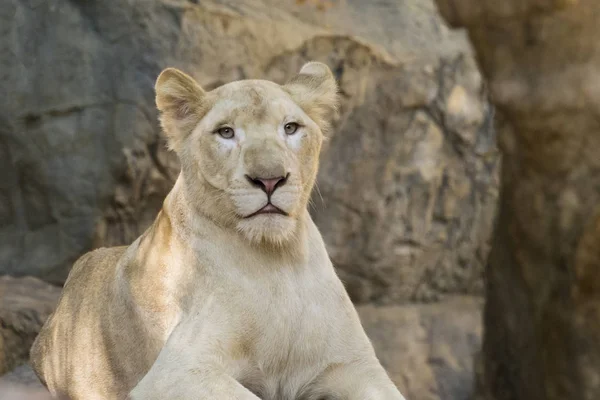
pixel 25 304
pixel 12 391
pixel 23 375
pixel 408 180
pixel 428 349
pixel 542 312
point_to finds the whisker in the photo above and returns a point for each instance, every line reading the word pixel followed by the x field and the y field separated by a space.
pixel 320 196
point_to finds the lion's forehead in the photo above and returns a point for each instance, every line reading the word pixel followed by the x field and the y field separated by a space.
pixel 251 101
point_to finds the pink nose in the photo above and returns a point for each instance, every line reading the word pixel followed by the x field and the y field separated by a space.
pixel 268 185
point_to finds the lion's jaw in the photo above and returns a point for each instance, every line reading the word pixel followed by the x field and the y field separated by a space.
pixel 257 178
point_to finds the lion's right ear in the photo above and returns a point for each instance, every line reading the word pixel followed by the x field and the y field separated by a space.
pixel 315 90
pixel 180 101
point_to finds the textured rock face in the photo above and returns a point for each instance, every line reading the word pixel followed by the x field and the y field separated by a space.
pixel 408 179
pixel 25 304
pixel 427 349
pixel 19 392
pixel 22 384
pixel 542 315
pixel 407 185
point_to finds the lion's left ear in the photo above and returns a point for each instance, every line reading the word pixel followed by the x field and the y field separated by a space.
pixel 181 102
pixel 315 90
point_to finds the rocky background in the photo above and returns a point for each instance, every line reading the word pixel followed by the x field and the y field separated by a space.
pixel 542 314
pixel 406 194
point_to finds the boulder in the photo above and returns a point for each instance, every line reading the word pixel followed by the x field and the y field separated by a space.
pixel 408 185
pixel 542 312
pixel 22 384
pixel 22 376
pixel 25 304
pixel 428 349
pixel 12 391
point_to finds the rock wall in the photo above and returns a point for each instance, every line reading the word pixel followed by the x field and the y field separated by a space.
pixel 542 313
pixel 25 304
pixel 427 349
pixel 408 182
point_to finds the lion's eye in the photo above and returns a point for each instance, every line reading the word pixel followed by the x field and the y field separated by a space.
pixel 290 128
pixel 226 132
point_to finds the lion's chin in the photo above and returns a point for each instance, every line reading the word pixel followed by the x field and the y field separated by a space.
pixel 272 228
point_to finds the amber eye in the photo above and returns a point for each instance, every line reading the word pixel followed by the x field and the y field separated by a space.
pixel 226 132
pixel 290 128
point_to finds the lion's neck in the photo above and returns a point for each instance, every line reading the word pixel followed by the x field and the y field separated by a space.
pixel 190 222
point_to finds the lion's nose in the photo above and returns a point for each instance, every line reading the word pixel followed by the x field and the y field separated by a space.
pixel 268 185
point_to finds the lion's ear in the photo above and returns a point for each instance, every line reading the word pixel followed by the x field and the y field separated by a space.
pixel 181 102
pixel 315 90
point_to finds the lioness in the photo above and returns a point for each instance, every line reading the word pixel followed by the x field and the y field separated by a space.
pixel 230 294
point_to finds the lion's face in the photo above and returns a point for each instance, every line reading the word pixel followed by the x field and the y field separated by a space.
pixel 249 149
pixel 259 151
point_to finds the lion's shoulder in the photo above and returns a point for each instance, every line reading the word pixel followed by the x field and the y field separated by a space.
pixel 94 262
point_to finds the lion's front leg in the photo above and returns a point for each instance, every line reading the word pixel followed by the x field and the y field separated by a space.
pixel 192 365
pixel 354 381
pixel 198 384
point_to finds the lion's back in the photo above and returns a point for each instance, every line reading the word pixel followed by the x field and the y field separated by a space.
pixel 69 328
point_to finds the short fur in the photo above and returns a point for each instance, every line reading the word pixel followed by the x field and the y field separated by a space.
pixel 211 302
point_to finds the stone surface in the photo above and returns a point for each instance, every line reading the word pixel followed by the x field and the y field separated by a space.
pixel 12 391
pixel 542 314
pixel 428 349
pixel 25 304
pixel 409 177
pixel 23 375
pixel 22 384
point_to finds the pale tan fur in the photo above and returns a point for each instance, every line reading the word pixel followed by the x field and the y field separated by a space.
pixel 209 303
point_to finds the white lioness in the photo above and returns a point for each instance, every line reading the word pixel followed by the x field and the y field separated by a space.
pixel 230 294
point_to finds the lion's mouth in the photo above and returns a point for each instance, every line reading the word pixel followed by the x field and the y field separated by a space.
pixel 268 209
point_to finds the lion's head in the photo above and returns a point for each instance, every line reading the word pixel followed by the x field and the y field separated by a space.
pixel 249 149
